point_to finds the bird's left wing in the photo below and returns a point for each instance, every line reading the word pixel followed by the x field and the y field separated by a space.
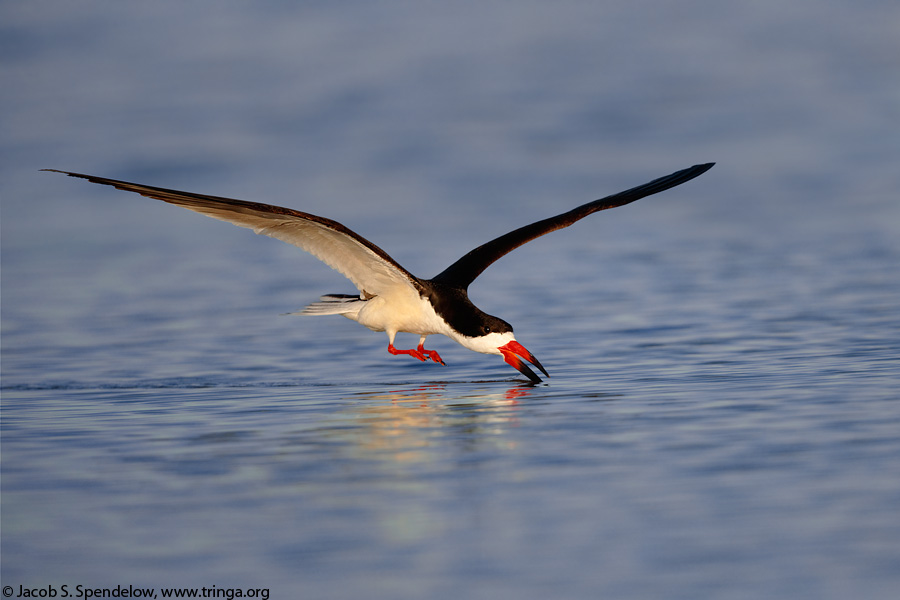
pixel 369 267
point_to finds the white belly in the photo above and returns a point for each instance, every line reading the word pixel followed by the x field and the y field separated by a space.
pixel 403 310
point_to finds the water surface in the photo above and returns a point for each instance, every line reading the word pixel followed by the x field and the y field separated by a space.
pixel 722 416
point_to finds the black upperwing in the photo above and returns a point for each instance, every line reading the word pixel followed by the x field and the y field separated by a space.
pixel 464 271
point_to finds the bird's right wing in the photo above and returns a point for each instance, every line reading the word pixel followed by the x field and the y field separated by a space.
pixel 369 267
pixel 466 269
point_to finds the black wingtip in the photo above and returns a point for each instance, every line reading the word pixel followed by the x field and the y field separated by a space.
pixel 677 178
pixel 69 173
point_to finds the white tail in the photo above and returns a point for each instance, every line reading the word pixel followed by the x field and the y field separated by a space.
pixel 334 304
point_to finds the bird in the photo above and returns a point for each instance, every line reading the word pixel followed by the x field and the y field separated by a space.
pixel 390 298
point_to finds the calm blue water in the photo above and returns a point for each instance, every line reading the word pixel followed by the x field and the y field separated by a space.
pixel 723 419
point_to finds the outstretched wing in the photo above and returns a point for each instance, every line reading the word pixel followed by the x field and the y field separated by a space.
pixel 369 267
pixel 466 269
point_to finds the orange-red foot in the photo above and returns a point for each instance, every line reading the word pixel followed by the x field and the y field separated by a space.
pixel 413 353
pixel 432 354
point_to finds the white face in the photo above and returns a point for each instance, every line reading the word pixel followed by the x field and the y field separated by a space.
pixel 486 344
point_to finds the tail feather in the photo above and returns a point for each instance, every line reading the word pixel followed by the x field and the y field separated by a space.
pixel 334 304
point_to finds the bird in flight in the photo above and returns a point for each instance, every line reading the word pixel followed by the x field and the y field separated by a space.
pixel 390 298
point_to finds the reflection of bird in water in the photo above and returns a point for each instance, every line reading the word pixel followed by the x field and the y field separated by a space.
pixel 400 425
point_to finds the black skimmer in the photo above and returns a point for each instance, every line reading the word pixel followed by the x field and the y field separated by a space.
pixel 390 298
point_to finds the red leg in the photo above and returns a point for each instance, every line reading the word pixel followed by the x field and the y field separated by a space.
pixel 432 354
pixel 414 353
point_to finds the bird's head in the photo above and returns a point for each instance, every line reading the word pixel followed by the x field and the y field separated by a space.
pixel 495 336
pixel 479 331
